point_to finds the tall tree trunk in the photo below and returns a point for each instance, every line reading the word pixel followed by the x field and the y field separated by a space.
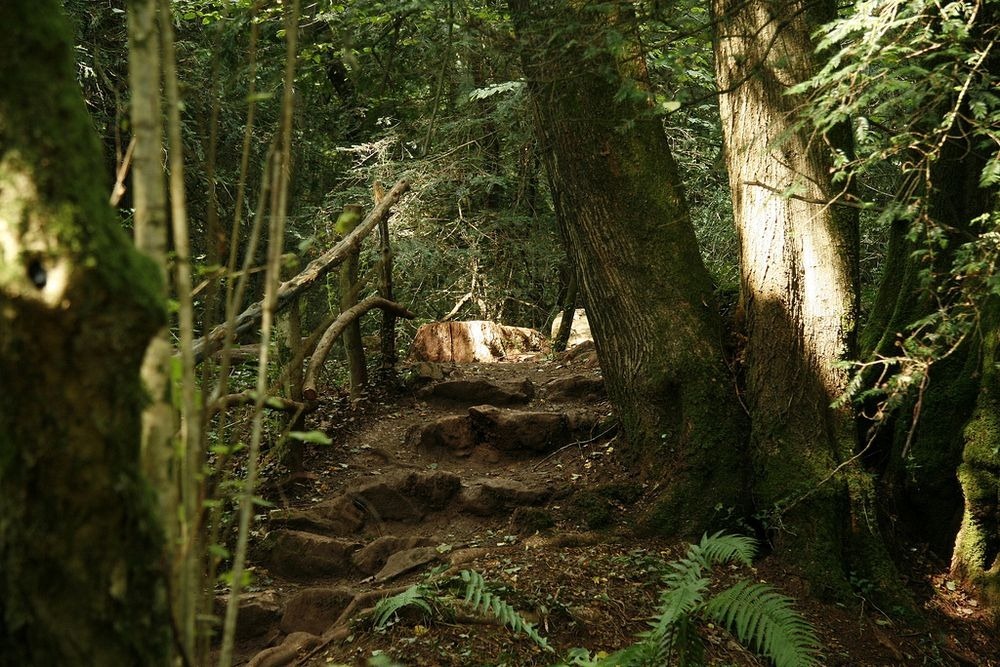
pixel 80 549
pixel 649 298
pixel 799 284
pixel 353 348
pixel 149 197
pixel 976 556
pixel 953 422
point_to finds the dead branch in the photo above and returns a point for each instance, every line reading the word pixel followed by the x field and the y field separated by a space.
pixel 289 290
pixel 271 402
pixel 337 328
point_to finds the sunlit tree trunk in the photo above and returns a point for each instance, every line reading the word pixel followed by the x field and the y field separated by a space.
pixel 649 298
pixel 799 284
pixel 80 549
pixel 149 199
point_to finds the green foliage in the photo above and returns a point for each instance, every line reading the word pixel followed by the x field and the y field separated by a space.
pixel 917 82
pixel 482 600
pixel 419 596
pixel 312 437
pixel 755 613
pixel 764 618
pixel 476 595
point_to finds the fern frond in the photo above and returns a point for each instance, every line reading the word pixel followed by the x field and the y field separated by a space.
pixel 713 550
pixel 671 633
pixel 482 601
pixel 475 585
pixel 642 654
pixel 415 596
pixel 678 602
pixel 686 645
pixel 762 617
pixel 722 548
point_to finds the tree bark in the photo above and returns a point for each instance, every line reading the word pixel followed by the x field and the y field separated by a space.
pixel 951 424
pixel 799 286
pixel 388 330
pixel 976 556
pixel 353 348
pixel 149 197
pixel 80 548
pixel 568 311
pixel 651 308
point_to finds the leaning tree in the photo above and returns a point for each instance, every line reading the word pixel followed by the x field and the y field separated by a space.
pixel 621 205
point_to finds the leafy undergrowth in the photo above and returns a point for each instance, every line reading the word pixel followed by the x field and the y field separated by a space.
pixel 582 579
pixel 600 597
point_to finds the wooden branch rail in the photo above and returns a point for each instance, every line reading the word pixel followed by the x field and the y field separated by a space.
pixel 316 270
pixel 333 333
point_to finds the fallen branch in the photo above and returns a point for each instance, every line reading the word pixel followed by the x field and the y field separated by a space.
pixel 289 290
pixel 333 332
pixel 242 354
pixel 271 402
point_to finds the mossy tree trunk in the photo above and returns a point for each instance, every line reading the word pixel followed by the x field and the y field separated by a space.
pixel 80 548
pixel 917 459
pixel 799 289
pixel 976 556
pixel 649 298
pixel 952 424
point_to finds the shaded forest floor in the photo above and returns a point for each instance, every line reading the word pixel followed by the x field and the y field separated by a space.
pixel 531 494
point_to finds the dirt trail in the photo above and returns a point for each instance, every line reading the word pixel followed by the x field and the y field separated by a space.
pixel 512 470
pixel 478 460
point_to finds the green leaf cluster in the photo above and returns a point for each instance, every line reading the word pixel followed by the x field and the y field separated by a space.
pixel 476 595
pixel 756 613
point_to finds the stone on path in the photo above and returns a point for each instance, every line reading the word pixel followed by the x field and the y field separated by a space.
pixel 508 431
pixel 575 387
pixel 313 610
pixel 303 556
pixel 520 431
pixel 476 341
pixel 491 495
pixel 336 517
pixel 478 391
pixel 257 612
pixel 402 562
pixel 452 434
pixel 406 496
pixel 372 557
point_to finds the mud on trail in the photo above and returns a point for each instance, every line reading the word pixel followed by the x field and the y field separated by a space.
pixel 511 470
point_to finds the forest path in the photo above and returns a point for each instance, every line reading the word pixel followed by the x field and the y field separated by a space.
pixel 479 460
pixel 511 470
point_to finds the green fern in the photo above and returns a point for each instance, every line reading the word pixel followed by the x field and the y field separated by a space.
pixel 483 601
pixel 761 616
pixel 414 596
pixel 756 614
pixel 636 655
